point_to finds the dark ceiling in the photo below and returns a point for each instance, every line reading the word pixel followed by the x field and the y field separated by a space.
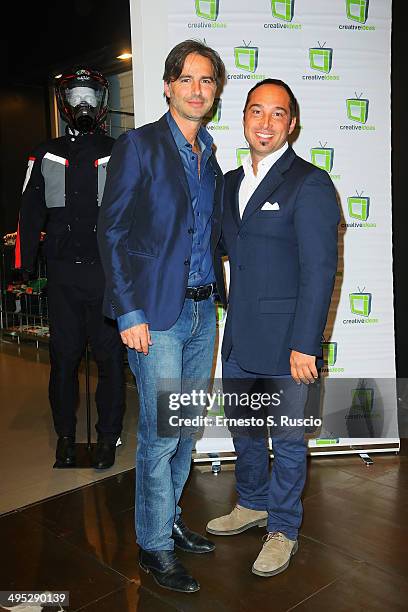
pixel 40 39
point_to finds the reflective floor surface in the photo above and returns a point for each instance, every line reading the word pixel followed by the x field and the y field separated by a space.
pixel 73 530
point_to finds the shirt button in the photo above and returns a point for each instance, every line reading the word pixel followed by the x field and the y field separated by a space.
pixel 241 267
pixel 186 262
pixel 76 218
pixel 75 193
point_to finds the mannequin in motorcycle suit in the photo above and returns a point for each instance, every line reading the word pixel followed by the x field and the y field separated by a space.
pixel 62 193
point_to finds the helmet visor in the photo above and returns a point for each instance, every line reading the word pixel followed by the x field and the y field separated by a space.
pixel 82 101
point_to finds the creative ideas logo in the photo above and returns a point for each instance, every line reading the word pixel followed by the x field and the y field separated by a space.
pixel 357 109
pixel 362 400
pixel 327 441
pixel 246 59
pixel 207 10
pixel 321 60
pixel 283 10
pixel 363 410
pixel 322 157
pixel 358 208
pixel 365 417
pixel 241 154
pixel 329 350
pixel 357 112
pixel 220 314
pixel 357 11
pixel 360 304
pixel 214 117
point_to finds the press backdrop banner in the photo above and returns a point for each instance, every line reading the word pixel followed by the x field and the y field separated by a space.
pixel 336 57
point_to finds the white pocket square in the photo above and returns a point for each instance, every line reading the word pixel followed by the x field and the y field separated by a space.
pixel 269 206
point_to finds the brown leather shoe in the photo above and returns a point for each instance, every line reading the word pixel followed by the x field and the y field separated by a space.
pixel 275 554
pixel 237 521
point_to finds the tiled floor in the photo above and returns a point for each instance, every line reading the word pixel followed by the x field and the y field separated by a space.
pixel 352 553
pixel 27 451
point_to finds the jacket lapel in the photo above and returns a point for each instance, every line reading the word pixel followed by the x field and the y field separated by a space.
pixel 268 185
pixel 234 196
pixel 219 184
pixel 174 158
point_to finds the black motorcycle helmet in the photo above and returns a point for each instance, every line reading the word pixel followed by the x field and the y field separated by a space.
pixel 82 99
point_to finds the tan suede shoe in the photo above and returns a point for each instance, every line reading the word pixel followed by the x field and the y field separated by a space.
pixel 275 554
pixel 237 521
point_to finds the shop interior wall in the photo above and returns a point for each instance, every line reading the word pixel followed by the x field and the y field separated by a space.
pixel 24 122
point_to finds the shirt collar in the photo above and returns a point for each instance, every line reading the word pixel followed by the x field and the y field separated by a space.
pixel 204 138
pixel 265 164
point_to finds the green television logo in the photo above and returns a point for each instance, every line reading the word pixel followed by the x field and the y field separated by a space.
pixel 329 352
pixel 283 9
pixel 320 58
pixel 214 115
pixel 359 206
pixel 357 10
pixel 220 314
pixel 207 9
pixel 246 57
pixel 360 303
pixel 241 154
pixel 218 409
pixel 357 109
pixel 362 400
pixel 322 157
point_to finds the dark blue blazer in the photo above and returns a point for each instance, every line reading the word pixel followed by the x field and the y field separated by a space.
pixel 282 263
pixel 145 226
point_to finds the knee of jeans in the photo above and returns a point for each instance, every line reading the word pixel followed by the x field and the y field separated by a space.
pixel 157 447
pixel 290 447
pixel 187 433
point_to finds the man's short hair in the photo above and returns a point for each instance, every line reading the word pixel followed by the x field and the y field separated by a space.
pixel 292 100
pixel 177 56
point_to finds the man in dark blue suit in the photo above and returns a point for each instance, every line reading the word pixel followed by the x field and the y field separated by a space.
pixel 279 230
pixel 158 228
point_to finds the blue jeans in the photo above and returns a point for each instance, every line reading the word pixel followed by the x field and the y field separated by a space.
pixel 181 354
pixel 279 493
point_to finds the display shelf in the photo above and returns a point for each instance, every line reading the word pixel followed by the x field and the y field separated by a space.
pixel 23 300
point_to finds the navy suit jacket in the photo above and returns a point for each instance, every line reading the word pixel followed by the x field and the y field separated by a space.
pixel 145 226
pixel 282 263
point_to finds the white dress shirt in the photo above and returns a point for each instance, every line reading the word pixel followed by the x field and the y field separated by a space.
pixel 250 182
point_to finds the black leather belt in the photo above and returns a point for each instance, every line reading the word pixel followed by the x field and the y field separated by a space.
pixel 200 293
